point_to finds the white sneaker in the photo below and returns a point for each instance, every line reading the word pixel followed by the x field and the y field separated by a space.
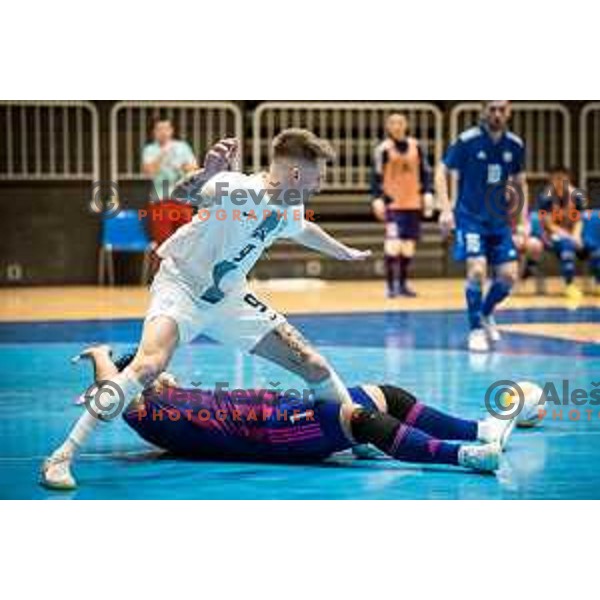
pixel 56 474
pixel 484 459
pixel 478 341
pixel 495 431
pixel 491 328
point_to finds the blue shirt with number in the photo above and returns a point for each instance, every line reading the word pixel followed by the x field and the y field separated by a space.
pixel 484 166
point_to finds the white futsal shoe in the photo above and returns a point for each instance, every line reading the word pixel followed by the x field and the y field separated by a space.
pixel 491 328
pixel 478 341
pixel 496 431
pixel 483 459
pixel 56 474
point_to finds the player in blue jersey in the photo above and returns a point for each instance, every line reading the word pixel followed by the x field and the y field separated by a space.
pixel 489 162
pixel 567 230
pixel 268 426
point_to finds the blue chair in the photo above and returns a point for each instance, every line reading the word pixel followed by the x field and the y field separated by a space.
pixel 123 232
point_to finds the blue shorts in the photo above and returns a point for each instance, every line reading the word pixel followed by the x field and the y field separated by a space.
pixel 497 247
pixel 403 224
pixel 259 426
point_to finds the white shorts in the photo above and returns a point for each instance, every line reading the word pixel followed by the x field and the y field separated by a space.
pixel 240 320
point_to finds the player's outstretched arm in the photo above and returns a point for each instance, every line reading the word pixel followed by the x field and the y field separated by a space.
pixel 218 159
pixel 442 175
pixel 315 238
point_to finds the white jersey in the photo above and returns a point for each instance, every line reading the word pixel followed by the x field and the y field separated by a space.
pixel 215 251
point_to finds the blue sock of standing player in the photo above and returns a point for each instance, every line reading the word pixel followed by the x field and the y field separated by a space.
pixel 499 291
pixel 474 297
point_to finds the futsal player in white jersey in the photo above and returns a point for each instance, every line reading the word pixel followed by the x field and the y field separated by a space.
pixel 201 286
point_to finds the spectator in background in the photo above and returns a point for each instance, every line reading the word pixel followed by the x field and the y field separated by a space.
pixel 527 240
pixel 401 188
pixel 166 160
pixel 561 209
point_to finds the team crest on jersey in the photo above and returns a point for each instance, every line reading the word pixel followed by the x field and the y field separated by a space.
pixel 507 156
pixel 481 155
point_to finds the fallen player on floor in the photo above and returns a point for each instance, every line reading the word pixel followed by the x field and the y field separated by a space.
pixel 263 425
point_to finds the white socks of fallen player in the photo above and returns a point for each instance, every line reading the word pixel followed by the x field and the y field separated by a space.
pixel 107 403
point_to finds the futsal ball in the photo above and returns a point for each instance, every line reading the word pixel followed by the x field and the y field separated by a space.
pixel 530 415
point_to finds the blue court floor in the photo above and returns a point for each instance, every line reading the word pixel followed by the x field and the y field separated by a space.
pixel 421 351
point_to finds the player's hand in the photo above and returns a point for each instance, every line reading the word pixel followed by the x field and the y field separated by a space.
pixel 355 254
pixel 379 209
pixel 220 156
pixel 428 205
pixel 519 241
pixel 447 223
pixel 165 380
pixel 523 229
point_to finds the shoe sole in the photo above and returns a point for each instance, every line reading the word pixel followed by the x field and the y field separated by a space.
pixel 503 441
pixel 57 487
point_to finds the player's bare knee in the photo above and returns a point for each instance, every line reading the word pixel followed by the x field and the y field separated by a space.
pixel 408 248
pixel 392 248
pixel 509 275
pixel 316 370
pixel 477 274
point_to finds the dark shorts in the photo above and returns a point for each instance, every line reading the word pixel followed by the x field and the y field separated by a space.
pixel 403 225
pixel 258 426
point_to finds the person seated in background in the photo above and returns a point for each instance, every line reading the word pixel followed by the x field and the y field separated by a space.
pixel 561 212
pixel 529 245
pixel 166 160
pixel 264 425
pixel 402 189
pixel 591 246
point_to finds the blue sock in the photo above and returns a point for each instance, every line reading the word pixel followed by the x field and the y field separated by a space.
pixel 567 267
pixel 474 295
pixel 441 425
pixel 498 292
pixel 401 441
pixel 565 249
pixel 413 445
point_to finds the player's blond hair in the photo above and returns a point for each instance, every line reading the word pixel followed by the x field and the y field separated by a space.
pixel 301 144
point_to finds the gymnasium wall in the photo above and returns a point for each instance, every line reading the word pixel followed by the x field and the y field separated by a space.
pixel 50 237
